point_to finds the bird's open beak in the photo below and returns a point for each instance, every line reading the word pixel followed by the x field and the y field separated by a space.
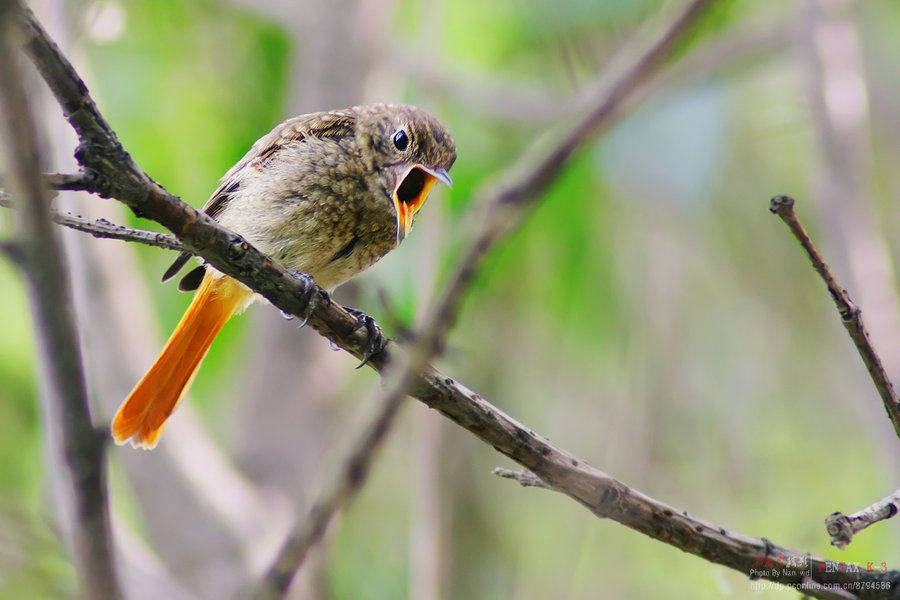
pixel 411 192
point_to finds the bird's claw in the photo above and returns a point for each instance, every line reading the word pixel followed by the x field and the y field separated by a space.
pixel 376 341
pixel 311 296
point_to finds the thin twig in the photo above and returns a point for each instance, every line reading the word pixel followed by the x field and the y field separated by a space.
pixel 843 527
pixel 80 457
pixel 62 181
pixel 72 182
pixel 101 228
pixel 851 315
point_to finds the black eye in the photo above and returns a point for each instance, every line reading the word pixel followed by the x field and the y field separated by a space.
pixel 401 140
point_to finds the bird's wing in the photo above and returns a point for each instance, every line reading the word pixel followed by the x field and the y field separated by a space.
pixel 335 124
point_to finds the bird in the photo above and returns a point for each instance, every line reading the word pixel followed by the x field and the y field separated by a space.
pixel 326 194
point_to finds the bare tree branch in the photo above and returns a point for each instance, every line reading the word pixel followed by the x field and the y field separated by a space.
pixel 118 177
pixel 101 228
pixel 609 498
pixel 66 181
pixel 851 315
pixel 843 527
pixel 81 455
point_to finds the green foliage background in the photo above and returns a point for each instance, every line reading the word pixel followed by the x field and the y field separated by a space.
pixel 651 316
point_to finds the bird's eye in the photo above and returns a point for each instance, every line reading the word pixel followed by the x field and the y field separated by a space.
pixel 401 140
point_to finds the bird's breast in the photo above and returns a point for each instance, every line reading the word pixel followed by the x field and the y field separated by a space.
pixel 320 213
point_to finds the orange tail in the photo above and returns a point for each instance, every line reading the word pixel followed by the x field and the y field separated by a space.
pixel 143 414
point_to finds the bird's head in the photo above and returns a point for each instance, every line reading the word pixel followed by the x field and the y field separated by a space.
pixel 411 149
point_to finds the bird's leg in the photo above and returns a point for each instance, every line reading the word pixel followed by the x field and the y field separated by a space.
pixel 376 341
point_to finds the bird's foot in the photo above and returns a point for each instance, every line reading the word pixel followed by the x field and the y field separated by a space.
pixel 376 341
pixel 310 291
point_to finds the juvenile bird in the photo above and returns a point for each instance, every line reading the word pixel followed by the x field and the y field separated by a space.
pixel 327 194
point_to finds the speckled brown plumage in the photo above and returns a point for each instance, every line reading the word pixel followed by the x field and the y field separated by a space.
pixel 315 192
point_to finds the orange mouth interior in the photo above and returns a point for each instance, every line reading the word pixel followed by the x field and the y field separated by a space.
pixel 409 197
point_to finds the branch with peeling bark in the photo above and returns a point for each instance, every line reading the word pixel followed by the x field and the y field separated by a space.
pixel 112 173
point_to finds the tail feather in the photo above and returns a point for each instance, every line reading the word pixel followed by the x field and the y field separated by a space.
pixel 143 414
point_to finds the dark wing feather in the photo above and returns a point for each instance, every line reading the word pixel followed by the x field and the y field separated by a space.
pixel 334 124
pixel 192 280
pixel 176 266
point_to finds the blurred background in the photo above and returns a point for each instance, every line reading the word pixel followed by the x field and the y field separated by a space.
pixel 651 316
